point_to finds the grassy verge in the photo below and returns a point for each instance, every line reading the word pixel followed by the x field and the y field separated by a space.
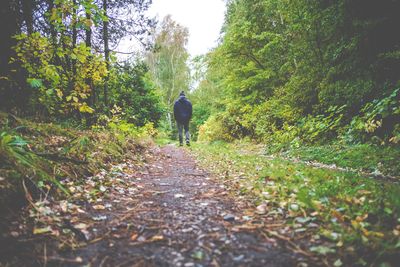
pixel 49 176
pixel 346 219
pixel 38 157
pixel 364 157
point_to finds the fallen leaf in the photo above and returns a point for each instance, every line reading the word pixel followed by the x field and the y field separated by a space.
pixel 294 207
pixel 338 263
pixel 14 234
pixel 323 250
pixel 99 218
pixel 338 215
pixel 261 209
pixel 156 238
pixel 80 210
pixel 134 236
pixel 99 207
pixel 38 231
pixel 198 255
pixel 81 226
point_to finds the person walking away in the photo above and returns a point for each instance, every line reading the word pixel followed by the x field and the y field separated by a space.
pixel 183 114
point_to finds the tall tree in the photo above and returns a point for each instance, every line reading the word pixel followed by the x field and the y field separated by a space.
pixel 106 49
pixel 9 18
pixel 27 11
pixel 125 18
pixel 168 61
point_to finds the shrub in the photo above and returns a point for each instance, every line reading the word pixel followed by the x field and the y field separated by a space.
pixel 378 120
pixel 213 130
pixel 16 155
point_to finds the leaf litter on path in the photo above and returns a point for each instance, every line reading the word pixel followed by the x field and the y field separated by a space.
pixel 177 215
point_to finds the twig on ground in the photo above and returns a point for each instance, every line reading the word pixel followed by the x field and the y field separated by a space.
pixel 103 261
pixel 58 157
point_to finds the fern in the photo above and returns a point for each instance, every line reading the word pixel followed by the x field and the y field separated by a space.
pixel 14 152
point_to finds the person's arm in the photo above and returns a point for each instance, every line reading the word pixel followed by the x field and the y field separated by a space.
pixel 175 111
pixel 190 110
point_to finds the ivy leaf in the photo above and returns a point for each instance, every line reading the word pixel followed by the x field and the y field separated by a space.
pixel 49 92
pixel 323 250
pixel 34 83
pixel 338 263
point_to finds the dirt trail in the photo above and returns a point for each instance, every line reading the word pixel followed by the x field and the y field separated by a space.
pixel 177 216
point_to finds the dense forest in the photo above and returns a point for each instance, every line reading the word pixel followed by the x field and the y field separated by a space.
pixel 296 92
pixel 290 73
pixel 62 61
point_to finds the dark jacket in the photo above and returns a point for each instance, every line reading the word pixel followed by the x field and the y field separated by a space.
pixel 182 110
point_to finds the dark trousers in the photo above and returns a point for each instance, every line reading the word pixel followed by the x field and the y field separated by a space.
pixel 182 126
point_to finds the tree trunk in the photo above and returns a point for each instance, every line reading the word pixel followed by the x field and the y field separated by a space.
pixel 72 80
pixel 106 52
pixel 74 30
pixel 89 81
pixel 27 12
pixel 53 32
pixel 88 40
pixel 9 27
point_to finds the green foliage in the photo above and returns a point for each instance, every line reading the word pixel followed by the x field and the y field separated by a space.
pixel 48 153
pixel 300 72
pixel 134 94
pixel 124 129
pixel 167 63
pixel 200 115
pixel 15 154
pixel 378 120
pixel 146 131
pixel 214 129
pixel 55 87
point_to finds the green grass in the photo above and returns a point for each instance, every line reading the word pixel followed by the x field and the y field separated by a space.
pixel 365 157
pixel 358 216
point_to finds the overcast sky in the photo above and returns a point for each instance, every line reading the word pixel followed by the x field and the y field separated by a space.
pixel 203 18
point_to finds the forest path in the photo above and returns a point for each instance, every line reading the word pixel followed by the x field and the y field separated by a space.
pixel 180 217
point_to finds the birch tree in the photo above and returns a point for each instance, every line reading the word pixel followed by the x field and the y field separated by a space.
pixel 168 61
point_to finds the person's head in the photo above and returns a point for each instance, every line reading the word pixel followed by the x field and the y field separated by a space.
pixel 182 94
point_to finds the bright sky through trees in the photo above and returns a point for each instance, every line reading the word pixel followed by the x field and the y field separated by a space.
pixel 203 18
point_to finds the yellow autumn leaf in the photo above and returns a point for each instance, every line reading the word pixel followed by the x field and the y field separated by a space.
pixel 86 109
pixel 37 231
pixel 337 215
pixel 355 224
pixel 156 238
pixel 59 93
pixel 361 218
pixel 98 207
pixel 373 234
pixel 88 23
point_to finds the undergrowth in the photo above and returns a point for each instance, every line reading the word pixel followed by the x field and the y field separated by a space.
pixel 47 153
pixel 346 218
